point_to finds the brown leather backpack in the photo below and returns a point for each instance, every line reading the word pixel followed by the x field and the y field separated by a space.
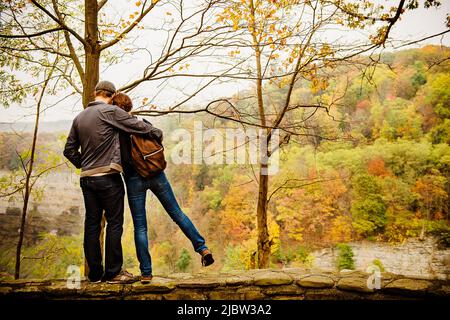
pixel 147 155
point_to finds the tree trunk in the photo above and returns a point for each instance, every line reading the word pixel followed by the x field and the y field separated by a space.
pixel 29 173
pixel 92 51
pixel 92 76
pixel 22 223
pixel 261 212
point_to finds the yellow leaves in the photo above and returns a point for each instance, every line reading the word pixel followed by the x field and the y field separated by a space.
pixel 183 67
pixel 283 82
pixel 234 53
pixel 145 101
pixel 133 15
pixel 379 37
pixel 318 84
pixel 270 13
pixel 274 232
pixel 272 28
pixel 326 50
pixel 235 24
pixel 341 230
pixel 220 18
pixel 108 31
pixel 168 13
pixel 138 4
pixel 275 56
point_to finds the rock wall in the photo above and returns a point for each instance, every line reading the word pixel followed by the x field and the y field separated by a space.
pixel 292 284
pixel 414 257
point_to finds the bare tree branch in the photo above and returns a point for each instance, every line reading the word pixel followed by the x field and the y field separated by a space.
pixel 32 35
pixel 61 23
pixel 130 27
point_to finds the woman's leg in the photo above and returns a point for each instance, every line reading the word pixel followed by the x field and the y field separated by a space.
pixel 136 193
pixel 160 186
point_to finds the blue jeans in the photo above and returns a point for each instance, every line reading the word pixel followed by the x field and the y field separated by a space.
pixel 137 190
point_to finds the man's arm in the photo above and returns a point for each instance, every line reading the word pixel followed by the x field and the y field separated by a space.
pixel 71 149
pixel 125 122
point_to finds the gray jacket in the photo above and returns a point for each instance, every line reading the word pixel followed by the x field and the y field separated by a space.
pixel 96 131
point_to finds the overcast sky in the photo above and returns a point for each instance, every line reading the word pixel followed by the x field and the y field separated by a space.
pixel 414 25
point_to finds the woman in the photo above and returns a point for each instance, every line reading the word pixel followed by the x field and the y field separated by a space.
pixel 137 187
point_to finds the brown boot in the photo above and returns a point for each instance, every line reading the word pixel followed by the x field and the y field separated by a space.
pixel 146 279
pixel 207 258
pixel 122 278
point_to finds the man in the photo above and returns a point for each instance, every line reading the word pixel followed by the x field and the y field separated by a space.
pixel 96 131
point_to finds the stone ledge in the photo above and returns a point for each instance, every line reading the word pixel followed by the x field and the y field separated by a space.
pixel 237 285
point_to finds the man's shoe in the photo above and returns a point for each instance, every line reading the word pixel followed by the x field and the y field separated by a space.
pixel 95 281
pixel 146 279
pixel 207 258
pixel 122 278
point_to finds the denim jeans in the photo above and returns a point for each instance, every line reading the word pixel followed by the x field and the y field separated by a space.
pixel 137 190
pixel 104 193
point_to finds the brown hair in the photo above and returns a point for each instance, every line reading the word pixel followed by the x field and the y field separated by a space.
pixel 103 93
pixel 123 101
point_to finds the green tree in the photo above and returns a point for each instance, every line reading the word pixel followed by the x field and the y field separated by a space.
pixel 368 207
pixel 283 50
pixel 438 95
pixel 401 120
pixel 184 261
pixel 345 258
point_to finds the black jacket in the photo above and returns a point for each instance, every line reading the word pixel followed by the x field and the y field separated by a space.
pixel 96 131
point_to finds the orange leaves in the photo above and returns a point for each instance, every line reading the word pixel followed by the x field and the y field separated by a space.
pixel 308 213
pixel 145 101
pixel 376 167
pixel 138 4
pixel 432 195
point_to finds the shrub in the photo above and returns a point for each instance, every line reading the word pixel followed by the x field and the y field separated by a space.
pixel 378 263
pixel 184 261
pixel 345 257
